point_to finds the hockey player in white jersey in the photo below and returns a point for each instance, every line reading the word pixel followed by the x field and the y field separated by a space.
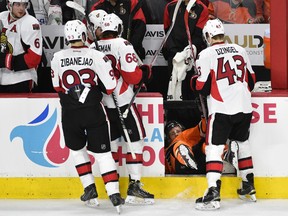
pixel 227 79
pixel 96 19
pixel 80 75
pixel 125 63
pixel 21 48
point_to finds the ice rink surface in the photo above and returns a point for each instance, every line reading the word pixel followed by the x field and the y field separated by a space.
pixel 165 207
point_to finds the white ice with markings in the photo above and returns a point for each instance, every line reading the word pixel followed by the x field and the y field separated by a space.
pixel 166 207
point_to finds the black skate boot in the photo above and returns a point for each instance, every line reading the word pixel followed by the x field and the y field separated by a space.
pixel 248 192
pixel 90 196
pixel 117 201
pixel 136 195
pixel 211 199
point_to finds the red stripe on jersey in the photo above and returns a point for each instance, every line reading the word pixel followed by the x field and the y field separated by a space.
pixel 214 166
pixel 94 7
pixel 130 160
pixel 115 156
pixel 32 59
pixel 132 77
pixel 139 118
pixel 245 163
pixel 214 88
pixel 203 17
pixel 139 14
pixel 110 177
pixel 83 169
pixel 199 85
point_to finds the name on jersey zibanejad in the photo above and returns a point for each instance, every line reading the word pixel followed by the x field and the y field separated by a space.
pixel 76 61
pixel 224 50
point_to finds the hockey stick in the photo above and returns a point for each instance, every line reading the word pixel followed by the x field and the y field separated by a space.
pixel 123 126
pixel 186 21
pixel 168 32
pixel 132 14
pixel 79 8
pixel 155 55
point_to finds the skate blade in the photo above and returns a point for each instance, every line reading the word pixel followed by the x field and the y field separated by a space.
pixel 118 209
pixel 132 200
pixel 248 197
pixel 93 203
pixel 214 205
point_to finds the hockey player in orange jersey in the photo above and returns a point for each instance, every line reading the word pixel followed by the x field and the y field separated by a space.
pixel 184 151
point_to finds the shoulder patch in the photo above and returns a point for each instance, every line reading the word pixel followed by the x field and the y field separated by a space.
pixel 36 26
pixel 127 43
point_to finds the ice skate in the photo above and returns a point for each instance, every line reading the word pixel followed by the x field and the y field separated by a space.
pixel 187 157
pixel 117 201
pixel 136 195
pixel 210 200
pixel 248 192
pixel 231 155
pixel 90 196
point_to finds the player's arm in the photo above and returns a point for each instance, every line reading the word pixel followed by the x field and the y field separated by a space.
pixel 56 82
pixel 130 71
pixel 31 40
pixel 201 82
pixel 250 76
pixel 107 81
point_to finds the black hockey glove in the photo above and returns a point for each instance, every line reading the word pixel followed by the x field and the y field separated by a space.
pixel 2 60
pixel 146 73
pixel 193 82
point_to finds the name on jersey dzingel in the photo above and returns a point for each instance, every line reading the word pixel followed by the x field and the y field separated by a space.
pixel 226 50
pixel 76 61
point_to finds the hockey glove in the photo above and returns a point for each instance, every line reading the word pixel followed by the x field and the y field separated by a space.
pixel 193 82
pixel 146 73
pixel 9 61
pixel 6 61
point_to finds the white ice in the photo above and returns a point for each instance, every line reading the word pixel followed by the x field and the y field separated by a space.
pixel 165 207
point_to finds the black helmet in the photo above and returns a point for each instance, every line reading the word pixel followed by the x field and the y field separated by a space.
pixel 171 124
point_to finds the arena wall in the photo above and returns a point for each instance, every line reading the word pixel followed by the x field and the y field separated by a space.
pixel 36 164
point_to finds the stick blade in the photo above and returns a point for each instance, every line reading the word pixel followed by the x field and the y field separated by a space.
pixel 76 6
pixel 190 5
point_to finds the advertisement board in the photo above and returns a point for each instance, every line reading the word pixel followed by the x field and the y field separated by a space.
pixel 248 36
pixel 32 142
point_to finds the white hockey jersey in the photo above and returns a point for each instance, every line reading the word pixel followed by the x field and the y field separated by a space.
pixel 225 69
pixel 125 64
pixel 24 36
pixel 74 66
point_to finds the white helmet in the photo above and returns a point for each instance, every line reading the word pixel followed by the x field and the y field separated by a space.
pixel 10 3
pixel 212 28
pixel 74 30
pixel 96 18
pixel 111 22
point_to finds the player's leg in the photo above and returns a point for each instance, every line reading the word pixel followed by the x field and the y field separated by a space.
pixel 217 134
pixel 98 138
pixel 240 133
pixel 75 140
pixel 135 193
